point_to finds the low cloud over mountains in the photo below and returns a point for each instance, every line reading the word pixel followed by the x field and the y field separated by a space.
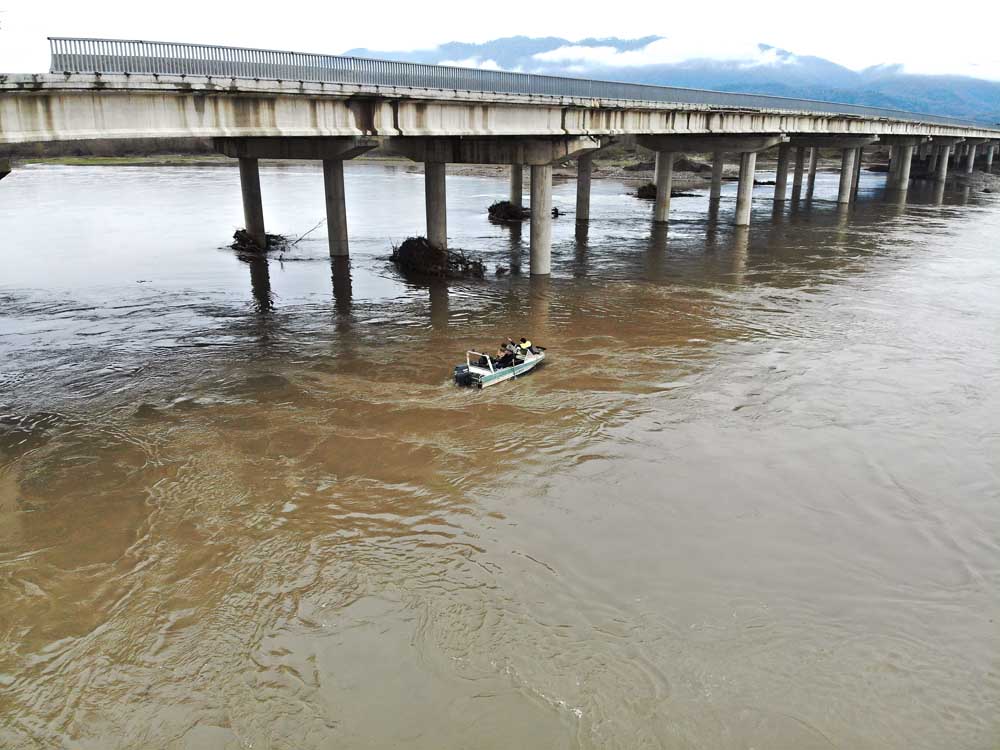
pixel 694 60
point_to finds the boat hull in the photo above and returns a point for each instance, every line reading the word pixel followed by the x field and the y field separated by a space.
pixel 486 379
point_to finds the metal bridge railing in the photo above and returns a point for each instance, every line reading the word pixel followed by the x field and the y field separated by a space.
pixel 117 56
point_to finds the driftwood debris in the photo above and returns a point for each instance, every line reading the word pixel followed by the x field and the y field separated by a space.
pixel 419 257
pixel 505 212
pixel 243 242
pixel 648 192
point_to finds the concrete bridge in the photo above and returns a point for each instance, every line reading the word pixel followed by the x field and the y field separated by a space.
pixel 266 104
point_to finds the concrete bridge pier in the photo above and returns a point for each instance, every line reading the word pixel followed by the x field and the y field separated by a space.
pixel 781 178
pixel 253 206
pixel 846 175
pixel 516 185
pixel 718 165
pixel 957 151
pixel 990 150
pixel 859 155
pixel 904 147
pixel 584 172
pixel 664 183
pixel 941 173
pixel 5 167
pixel 903 174
pixel 800 161
pixel 336 206
pixel 744 191
pixel 932 160
pixel 541 219
pixel 970 156
pixel 435 196
pixel 813 163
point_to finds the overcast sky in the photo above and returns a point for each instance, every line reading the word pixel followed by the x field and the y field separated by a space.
pixel 950 38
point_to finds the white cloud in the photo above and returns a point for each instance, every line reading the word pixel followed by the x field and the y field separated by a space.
pixel 472 62
pixel 986 69
pixel 667 51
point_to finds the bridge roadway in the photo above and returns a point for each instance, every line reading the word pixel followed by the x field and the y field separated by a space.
pixel 260 104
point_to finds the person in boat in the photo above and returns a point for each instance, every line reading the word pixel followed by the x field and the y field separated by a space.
pixel 505 356
pixel 523 347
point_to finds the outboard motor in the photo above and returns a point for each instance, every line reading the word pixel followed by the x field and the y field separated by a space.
pixel 462 375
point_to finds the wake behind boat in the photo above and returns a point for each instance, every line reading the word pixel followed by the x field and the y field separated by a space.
pixel 481 370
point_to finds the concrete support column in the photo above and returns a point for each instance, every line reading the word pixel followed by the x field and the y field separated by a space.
pixel 859 155
pixel 584 168
pixel 435 197
pixel 744 193
pixel 800 163
pixel 846 175
pixel 781 179
pixel 942 165
pixel 336 205
pixel 970 159
pixel 903 174
pixel 253 207
pixel 541 220
pixel 516 185
pixel 664 181
pixel 989 157
pixel 718 164
pixel 813 162
pixel 933 159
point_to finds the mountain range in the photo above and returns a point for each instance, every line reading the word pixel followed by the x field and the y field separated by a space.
pixel 762 69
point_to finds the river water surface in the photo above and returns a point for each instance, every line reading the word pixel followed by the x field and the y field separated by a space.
pixel 752 500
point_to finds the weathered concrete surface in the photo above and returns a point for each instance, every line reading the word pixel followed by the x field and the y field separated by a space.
pixel 345 147
pixel 500 150
pixel 832 141
pixel 682 143
pixel 87 106
pixel 902 140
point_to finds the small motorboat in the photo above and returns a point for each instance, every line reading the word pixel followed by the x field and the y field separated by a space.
pixel 481 371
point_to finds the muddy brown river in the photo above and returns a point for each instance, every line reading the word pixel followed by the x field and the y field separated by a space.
pixel 751 500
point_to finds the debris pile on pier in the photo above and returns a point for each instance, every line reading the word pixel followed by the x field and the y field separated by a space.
pixel 648 192
pixel 642 166
pixel 243 242
pixel 505 212
pixel 684 164
pixel 419 257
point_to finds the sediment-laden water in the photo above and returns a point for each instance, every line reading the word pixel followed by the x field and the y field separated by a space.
pixel 752 499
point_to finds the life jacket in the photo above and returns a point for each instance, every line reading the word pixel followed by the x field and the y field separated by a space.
pixel 525 347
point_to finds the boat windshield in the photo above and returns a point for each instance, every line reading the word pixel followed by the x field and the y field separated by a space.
pixel 478 360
